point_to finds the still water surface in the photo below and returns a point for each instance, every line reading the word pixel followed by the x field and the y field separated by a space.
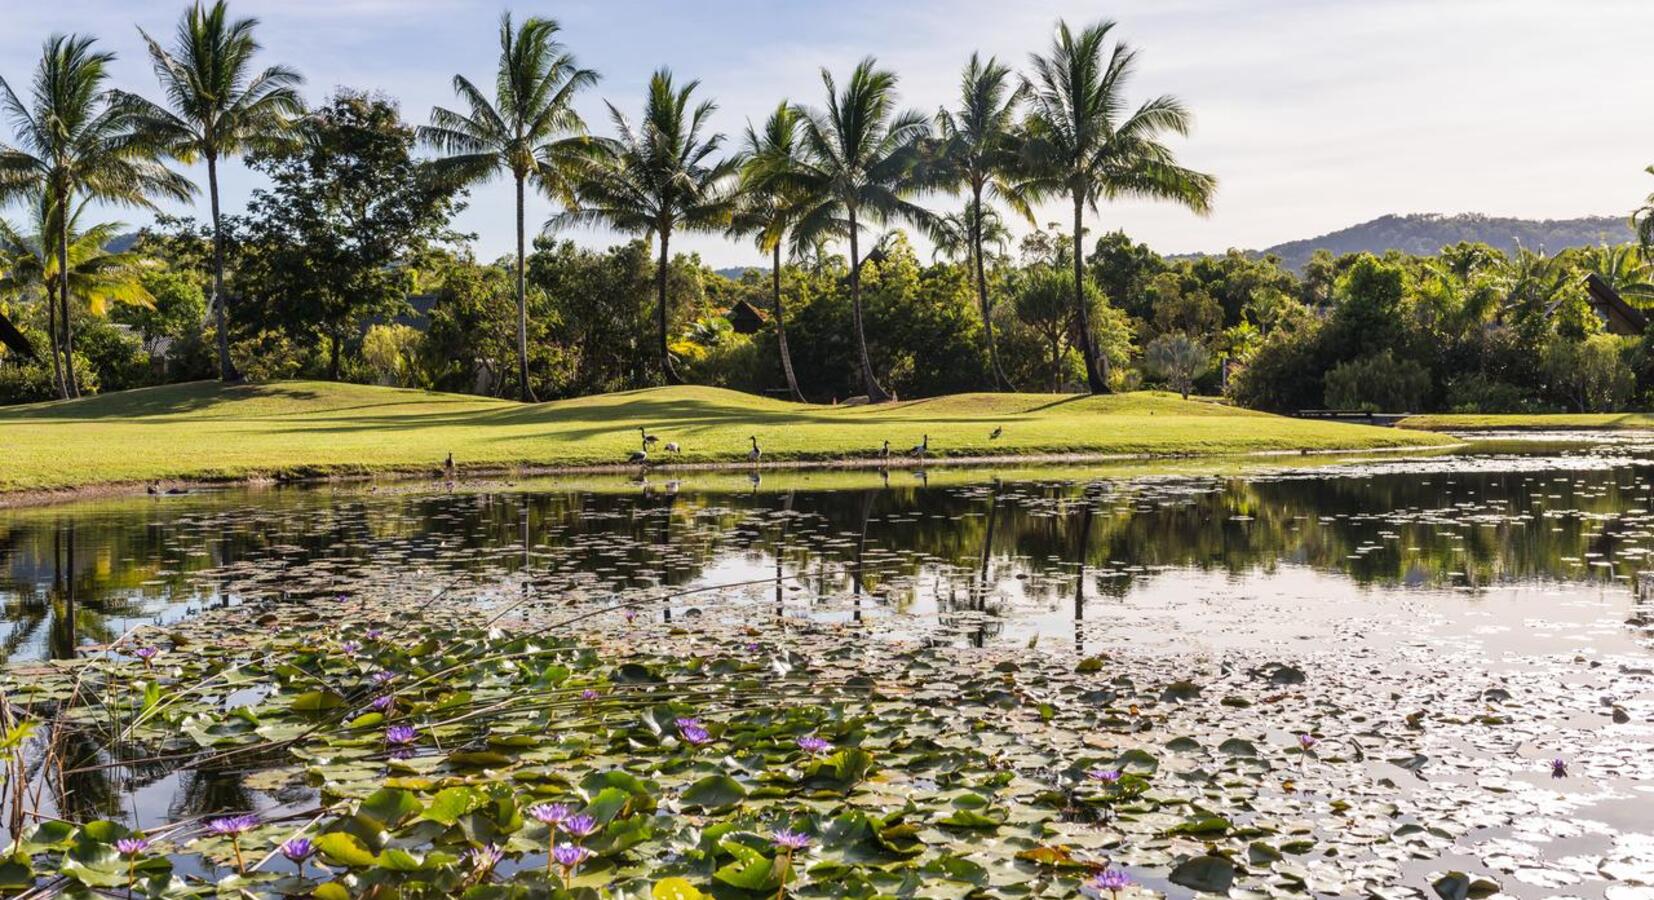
pixel 1469 543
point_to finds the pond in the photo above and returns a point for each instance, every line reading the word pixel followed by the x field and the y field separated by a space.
pixel 1441 626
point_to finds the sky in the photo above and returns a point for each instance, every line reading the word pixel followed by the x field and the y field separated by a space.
pixel 1313 114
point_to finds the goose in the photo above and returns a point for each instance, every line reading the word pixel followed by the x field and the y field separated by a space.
pixel 640 456
pixel 998 430
pixel 884 452
pixel 755 454
pixel 922 449
pixel 672 447
pixel 647 437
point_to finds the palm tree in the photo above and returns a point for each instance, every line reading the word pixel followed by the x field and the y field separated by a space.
pixel 766 206
pixel 952 237
pixel 978 154
pixel 656 178
pixel 29 261
pixel 859 167
pixel 1623 268
pixel 217 108
pixel 530 130
pixel 1079 144
pixel 1643 221
pixel 76 139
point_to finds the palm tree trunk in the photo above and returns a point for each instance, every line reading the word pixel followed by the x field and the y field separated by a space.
pixel 781 329
pixel 667 372
pixel 63 291
pixel 875 393
pixel 1000 381
pixel 51 334
pixel 523 392
pixel 1095 376
pixel 221 321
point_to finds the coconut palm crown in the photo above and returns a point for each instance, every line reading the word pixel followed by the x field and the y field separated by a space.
pixel 76 139
pixel 658 176
pixel 530 129
pixel 859 168
pixel 1085 144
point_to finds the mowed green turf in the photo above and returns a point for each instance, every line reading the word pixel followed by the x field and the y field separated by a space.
pixel 211 431
pixel 1533 422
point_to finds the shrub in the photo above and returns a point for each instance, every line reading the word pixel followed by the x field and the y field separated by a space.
pixel 1378 382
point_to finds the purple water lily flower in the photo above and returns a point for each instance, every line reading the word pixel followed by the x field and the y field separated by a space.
pixel 351 648
pixel 484 859
pixel 298 849
pixel 375 634
pixel 580 826
pixel 1559 768
pixel 131 846
pixel 814 745
pixel 146 653
pixel 382 677
pixel 790 840
pixel 1112 880
pixel 570 855
pixel 401 734
pixel 550 813
pixel 695 735
pixel 382 702
pixel 230 826
pixel 1106 776
pixel 1307 741
pixel 589 694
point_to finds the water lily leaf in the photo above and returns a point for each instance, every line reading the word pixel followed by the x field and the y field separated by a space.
pixel 751 870
pixel 450 804
pixel 1205 825
pixel 316 701
pixel 714 792
pixel 675 889
pixel 390 807
pixel 1140 762
pixel 1204 873
pixel 345 849
pixel 333 890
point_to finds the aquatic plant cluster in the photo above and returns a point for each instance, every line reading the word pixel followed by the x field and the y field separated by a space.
pixel 409 756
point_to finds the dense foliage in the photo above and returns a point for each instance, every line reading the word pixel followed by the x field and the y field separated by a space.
pixel 344 266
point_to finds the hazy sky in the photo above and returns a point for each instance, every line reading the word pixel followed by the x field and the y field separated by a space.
pixel 1313 114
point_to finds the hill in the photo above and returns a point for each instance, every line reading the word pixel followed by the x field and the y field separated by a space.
pixel 1427 233
pixel 207 430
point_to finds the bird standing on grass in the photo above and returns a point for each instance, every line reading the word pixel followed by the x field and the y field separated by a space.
pixel 640 456
pixel 647 437
pixel 672 447
pixel 998 430
pixel 754 454
pixel 920 451
pixel 884 452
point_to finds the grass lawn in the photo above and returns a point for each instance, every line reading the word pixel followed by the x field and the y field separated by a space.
pixel 210 431
pixel 1538 421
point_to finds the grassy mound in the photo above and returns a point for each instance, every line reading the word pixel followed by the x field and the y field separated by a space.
pixel 208 430
pixel 1529 422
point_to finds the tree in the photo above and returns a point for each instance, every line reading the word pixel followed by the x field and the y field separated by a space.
pixel 531 130
pixel 656 178
pixel 1643 221
pixel 766 208
pixel 1044 302
pixel 75 140
pixel 1079 146
pixel 859 166
pixel 330 243
pixel 978 155
pixel 1624 269
pixel 217 108
pixel 1179 359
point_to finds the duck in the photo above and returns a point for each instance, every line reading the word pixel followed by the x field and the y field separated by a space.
pixel 755 454
pixel 647 437
pixel 998 430
pixel 922 449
